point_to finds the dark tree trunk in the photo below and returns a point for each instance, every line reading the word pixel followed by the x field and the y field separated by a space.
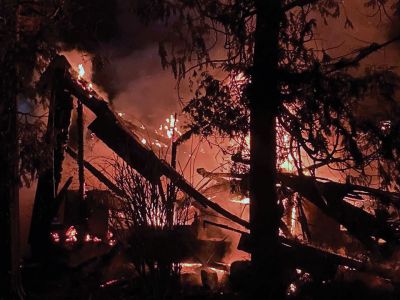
pixel 56 136
pixel 264 101
pixel 10 284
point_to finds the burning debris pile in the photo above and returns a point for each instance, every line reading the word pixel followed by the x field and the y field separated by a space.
pixel 157 215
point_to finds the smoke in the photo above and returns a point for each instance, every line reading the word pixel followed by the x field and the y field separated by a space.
pixel 125 64
pixel 394 29
pixel 120 55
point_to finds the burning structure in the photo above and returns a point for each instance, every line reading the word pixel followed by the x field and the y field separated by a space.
pixel 312 230
pixel 148 213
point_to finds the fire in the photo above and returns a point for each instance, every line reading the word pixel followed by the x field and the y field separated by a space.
pixel 81 71
pixel 245 201
pixel 108 283
pixel 288 164
pixel 88 86
pixel 293 220
pixel 110 238
pixel 71 235
pixel 217 270
pixel 170 130
pixel 292 289
pixel 385 126
pixel 189 267
pixel 88 238
pixel 97 240
pixel 170 127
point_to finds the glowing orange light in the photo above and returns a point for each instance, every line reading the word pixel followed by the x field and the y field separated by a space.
pixel 55 237
pixel 71 235
pixel 244 201
pixel 88 238
pixel 108 283
pixel 81 71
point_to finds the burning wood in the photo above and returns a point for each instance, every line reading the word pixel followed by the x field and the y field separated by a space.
pixel 134 150
pixel 329 197
pixel 71 235
pixel 110 128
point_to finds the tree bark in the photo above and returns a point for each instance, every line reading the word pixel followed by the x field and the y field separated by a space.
pixel 10 279
pixel 264 100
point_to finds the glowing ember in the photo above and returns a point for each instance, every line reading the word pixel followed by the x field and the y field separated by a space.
pixel 292 289
pixel 189 267
pixel 70 235
pixel 55 237
pixel 170 127
pixel 217 270
pixel 385 126
pixel 293 220
pixel 96 239
pixel 110 238
pixel 108 283
pixel 170 130
pixel 88 238
pixel 288 164
pixel 245 201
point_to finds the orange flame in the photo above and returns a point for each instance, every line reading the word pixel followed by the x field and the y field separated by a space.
pixel 81 71
pixel 71 235
pixel 244 201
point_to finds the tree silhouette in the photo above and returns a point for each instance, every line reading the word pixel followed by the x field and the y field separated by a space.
pixel 285 92
pixel 30 36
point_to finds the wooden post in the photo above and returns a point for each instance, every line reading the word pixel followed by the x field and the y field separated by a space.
pixel 81 168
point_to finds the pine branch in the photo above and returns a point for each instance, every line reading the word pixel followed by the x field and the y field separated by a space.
pixel 298 3
pixel 362 53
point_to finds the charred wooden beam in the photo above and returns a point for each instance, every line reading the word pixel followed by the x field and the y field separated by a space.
pixel 112 132
pixel 306 256
pixel 97 173
pixel 81 170
pixel 314 259
pixel 300 255
pixel 328 197
pixel 224 227
pixel 115 134
pixel 57 135
pixel 54 206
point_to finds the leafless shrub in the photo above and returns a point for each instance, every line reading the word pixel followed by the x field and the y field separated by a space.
pixel 144 220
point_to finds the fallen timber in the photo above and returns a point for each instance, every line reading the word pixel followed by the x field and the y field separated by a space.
pixel 98 174
pixel 111 129
pixel 329 197
pixel 316 260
